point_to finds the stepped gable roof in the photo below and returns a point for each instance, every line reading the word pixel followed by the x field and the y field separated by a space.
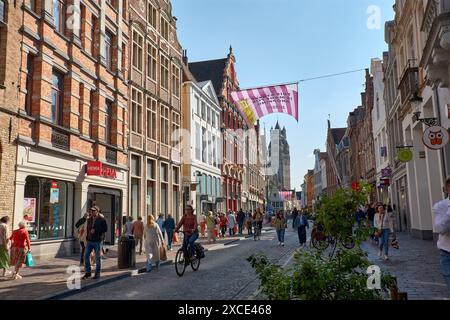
pixel 210 70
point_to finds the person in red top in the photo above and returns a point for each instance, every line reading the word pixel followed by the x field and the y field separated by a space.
pixel 190 228
pixel 19 241
pixel 223 222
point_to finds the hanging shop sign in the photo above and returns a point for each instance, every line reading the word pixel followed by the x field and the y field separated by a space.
pixel 386 173
pixel 405 155
pixel 96 168
pixel 435 137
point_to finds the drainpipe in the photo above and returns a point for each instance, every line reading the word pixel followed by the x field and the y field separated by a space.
pixel 438 105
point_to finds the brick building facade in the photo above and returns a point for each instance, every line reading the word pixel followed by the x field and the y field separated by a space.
pixel 155 110
pixel 73 138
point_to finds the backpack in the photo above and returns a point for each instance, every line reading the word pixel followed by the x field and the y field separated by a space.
pixel 200 250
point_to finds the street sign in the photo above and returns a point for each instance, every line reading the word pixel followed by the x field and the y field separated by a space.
pixel 435 137
pixel 405 155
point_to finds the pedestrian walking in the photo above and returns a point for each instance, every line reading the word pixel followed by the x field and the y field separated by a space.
pixel 294 216
pixel 223 224
pixel 231 223
pixel 81 235
pixel 96 227
pixel 169 227
pixel 249 223
pixel 210 226
pixel 257 224
pixel 160 222
pixel 138 232
pixel 153 241
pixel 128 228
pixel 441 212
pixel 240 221
pixel 392 215
pixel 381 223
pixel 20 247
pixel 4 255
pixel 280 227
pixel 370 212
pixel 203 225
pixel 301 224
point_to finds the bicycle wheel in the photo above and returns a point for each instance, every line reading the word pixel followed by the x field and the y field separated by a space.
pixel 319 241
pixel 195 263
pixel 348 242
pixel 180 264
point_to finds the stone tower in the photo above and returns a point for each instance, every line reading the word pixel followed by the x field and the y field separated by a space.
pixel 282 179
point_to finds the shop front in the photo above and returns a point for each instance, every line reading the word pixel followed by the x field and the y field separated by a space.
pixel 54 191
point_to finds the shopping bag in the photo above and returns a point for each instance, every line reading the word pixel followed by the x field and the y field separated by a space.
pixel 216 232
pixel 162 252
pixel 175 237
pixel 29 260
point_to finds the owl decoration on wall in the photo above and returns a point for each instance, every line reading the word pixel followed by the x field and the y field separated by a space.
pixel 435 137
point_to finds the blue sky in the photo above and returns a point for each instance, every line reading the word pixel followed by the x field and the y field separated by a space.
pixel 277 41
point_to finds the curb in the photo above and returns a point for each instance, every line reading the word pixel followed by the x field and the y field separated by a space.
pixel 68 293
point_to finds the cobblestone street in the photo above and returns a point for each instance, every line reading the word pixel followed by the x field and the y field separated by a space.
pixel 416 266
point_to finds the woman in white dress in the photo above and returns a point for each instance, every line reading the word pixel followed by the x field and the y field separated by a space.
pixel 153 240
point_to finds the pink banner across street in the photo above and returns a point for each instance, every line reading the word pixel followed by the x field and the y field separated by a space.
pixel 259 102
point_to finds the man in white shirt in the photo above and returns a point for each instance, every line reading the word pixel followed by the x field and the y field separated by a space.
pixel 442 226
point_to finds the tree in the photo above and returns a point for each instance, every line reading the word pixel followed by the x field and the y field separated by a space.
pixel 336 273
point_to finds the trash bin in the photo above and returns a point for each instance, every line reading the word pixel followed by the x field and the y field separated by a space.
pixel 126 252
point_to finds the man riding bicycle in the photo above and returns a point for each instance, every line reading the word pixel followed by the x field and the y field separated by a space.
pixel 190 230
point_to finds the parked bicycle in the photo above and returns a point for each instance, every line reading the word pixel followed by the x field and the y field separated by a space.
pixel 183 259
pixel 321 241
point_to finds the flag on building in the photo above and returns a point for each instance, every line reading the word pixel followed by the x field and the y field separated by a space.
pixel 258 102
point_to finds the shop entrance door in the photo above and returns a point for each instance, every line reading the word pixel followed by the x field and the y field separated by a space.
pixel 106 203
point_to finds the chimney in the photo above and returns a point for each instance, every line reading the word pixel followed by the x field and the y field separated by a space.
pixel 185 58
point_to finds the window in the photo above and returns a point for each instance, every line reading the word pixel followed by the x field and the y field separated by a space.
pixel 151 15
pixel 151 180
pixel 210 153
pixel 204 145
pixel 164 187
pixel 124 57
pixel 93 35
pixel 151 63
pixel 176 81
pixel 137 50
pixel 197 105
pixel 136 111
pixel 175 175
pixel 198 148
pixel 57 97
pixel 29 83
pixel 49 207
pixel 151 118
pixel 208 185
pixel 214 151
pixel 203 110
pixel 108 49
pixel 213 119
pixel 175 129
pixel 164 128
pixel 58 15
pixel 2 11
pixel 135 185
pixel 164 72
pixel 108 121
pixel 164 28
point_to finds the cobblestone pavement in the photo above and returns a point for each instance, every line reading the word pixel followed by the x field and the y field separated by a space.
pixel 416 266
pixel 49 276
pixel 224 275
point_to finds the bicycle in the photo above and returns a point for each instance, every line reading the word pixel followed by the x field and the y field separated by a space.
pixel 320 241
pixel 182 259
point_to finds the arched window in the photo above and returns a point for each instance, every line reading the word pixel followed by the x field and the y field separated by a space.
pixel 3 11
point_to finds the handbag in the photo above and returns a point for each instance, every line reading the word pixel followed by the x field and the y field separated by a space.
pixel 29 260
pixel 377 232
pixel 162 252
pixel 175 237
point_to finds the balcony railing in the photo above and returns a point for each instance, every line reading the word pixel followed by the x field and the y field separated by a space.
pixel 60 140
pixel 409 83
pixel 111 156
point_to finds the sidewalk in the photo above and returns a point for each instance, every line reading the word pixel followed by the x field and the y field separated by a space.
pixel 416 265
pixel 48 277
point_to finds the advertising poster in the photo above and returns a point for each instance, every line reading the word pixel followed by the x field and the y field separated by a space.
pixel 29 209
pixel 54 195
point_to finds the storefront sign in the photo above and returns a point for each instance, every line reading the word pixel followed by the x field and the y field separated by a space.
pixel 96 168
pixel 386 173
pixel 435 137
pixel 29 209
pixel 54 195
